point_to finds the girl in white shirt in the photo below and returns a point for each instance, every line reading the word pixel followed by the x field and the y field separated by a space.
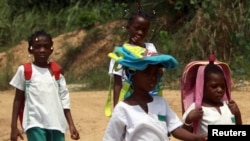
pixel 141 116
pixel 213 109
pixel 137 27
pixel 46 115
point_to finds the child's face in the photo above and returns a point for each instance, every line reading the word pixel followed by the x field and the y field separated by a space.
pixel 138 30
pixel 146 80
pixel 41 49
pixel 214 88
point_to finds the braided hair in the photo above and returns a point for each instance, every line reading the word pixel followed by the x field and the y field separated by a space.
pixel 140 13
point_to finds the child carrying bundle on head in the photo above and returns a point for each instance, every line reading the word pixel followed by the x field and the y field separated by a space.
pixel 142 116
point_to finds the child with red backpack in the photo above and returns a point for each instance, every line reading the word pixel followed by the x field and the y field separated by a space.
pixel 42 99
pixel 206 96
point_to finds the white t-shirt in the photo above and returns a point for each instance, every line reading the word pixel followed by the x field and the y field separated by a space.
pixel 132 123
pixel 211 116
pixel 44 105
pixel 119 71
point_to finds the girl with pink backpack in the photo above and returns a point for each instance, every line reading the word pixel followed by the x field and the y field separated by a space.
pixel 206 96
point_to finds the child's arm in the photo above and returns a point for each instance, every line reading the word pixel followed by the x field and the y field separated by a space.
pixel 117 88
pixel 182 134
pixel 64 95
pixel 193 115
pixel 74 133
pixel 236 111
pixel 19 98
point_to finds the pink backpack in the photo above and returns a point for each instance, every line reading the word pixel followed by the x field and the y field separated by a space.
pixel 192 82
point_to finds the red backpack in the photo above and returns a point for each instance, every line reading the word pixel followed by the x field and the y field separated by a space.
pixel 56 70
pixel 192 82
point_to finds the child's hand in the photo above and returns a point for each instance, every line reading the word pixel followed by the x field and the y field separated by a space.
pixel 201 138
pixel 15 133
pixel 137 40
pixel 234 108
pixel 195 114
pixel 74 133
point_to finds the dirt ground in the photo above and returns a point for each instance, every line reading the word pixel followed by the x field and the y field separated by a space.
pixel 88 111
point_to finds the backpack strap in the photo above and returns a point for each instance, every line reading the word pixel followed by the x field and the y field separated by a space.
pixel 27 77
pixel 108 104
pixel 108 109
pixel 27 71
pixel 56 69
pixel 125 90
pixel 198 92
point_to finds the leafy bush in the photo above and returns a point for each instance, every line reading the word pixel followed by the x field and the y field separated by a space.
pixel 187 29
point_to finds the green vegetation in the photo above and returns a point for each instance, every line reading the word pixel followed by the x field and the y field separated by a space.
pixel 187 29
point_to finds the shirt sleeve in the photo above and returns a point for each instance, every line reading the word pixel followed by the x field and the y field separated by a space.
pixel 151 47
pixel 18 80
pixel 115 129
pixel 115 69
pixel 173 121
pixel 64 93
pixel 189 109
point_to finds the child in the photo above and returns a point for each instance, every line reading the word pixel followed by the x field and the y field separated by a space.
pixel 141 116
pixel 214 108
pixel 137 27
pixel 47 103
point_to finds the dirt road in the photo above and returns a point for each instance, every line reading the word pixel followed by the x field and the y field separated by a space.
pixel 88 111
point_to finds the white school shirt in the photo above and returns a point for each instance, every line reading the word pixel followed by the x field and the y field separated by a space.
pixel 212 117
pixel 132 123
pixel 112 71
pixel 44 105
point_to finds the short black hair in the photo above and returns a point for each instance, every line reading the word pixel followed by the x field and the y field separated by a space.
pixel 35 35
pixel 140 14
